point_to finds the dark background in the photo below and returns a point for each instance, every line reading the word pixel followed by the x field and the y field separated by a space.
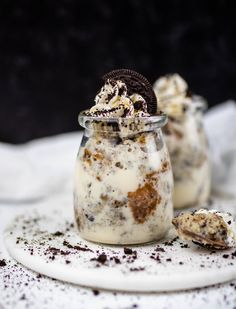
pixel 53 53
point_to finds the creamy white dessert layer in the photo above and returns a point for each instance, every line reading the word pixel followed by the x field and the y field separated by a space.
pixel 195 189
pixel 123 189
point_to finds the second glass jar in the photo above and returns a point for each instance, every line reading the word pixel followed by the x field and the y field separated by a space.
pixel 187 144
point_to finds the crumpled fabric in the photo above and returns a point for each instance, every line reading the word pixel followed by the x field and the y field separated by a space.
pixel 220 125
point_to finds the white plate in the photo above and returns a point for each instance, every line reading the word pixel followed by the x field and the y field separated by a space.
pixel 156 267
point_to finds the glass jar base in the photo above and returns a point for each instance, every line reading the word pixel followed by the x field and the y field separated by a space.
pixel 123 242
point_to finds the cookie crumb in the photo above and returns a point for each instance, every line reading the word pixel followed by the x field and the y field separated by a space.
pixel 96 292
pixel 3 263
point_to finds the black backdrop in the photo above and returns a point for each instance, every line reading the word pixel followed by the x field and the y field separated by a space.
pixel 52 54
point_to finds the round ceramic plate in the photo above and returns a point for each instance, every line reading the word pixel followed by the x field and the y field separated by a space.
pixel 46 241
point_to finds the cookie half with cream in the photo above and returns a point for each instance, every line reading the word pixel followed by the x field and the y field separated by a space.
pixel 208 228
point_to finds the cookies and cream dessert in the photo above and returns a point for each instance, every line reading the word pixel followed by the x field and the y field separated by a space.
pixel 123 179
pixel 186 140
pixel 209 228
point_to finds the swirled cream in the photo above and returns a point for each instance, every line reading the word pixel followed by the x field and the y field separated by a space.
pixel 186 141
pixel 113 101
pixel 174 97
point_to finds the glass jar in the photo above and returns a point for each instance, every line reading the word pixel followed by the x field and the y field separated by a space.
pixel 187 145
pixel 123 180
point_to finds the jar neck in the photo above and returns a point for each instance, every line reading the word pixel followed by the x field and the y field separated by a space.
pixel 90 133
pixel 122 126
pixel 114 138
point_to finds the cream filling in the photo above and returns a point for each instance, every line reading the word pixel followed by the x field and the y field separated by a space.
pixel 228 220
pixel 193 191
pixel 116 183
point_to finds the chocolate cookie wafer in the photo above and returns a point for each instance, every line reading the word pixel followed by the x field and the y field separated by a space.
pixel 136 83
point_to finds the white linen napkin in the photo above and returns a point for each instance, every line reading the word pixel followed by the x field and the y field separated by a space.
pixel 39 168
pixel 220 125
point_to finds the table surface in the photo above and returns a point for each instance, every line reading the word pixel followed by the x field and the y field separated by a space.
pixel 22 288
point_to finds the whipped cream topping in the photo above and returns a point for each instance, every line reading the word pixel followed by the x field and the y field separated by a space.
pixel 113 101
pixel 171 91
pixel 170 86
pixel 229 222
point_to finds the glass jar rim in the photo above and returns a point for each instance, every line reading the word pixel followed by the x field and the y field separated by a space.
pixel 146 123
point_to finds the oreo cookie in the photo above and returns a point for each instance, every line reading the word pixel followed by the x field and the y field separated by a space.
pixel 135 83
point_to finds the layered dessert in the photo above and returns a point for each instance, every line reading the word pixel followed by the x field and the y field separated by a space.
pixel 186 140
pixel 208 228
pixel 123 179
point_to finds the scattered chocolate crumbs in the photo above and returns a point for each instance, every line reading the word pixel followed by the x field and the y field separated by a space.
pixel 128 251
pixel 156 258
pixel 102 258
pixel 22 297
pixel 137 269
pixel 3 263
pixel 117 261
pixel 53 250
pixel 171 242
pixel 158 249
pixel 67 244
pixel 58 234
pixel 168 260
pixel 68 262
pixel 225 256
pixel 233 254
pixel 96 292
pixel 76 247
pixel 184 246
pixel 56 251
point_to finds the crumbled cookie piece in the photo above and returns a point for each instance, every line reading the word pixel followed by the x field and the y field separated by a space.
pixel 143 202
pixel 208 228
